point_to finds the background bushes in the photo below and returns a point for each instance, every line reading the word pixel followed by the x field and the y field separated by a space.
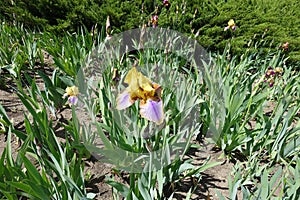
pixel 269 22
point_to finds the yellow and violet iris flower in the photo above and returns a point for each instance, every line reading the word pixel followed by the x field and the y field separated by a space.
pixel 149 93
pixel 271 74
pixel 231 25
pixel 72 94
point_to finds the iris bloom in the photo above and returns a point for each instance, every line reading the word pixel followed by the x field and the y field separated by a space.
pixel 285 46
pixel 154 21
pixel 149 93
pixel 271 74
pixel 72 94
pixel 278 70
pixel 166 3
pixel 231 25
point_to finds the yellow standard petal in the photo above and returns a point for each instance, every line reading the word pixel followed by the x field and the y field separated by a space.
pixel 278 70
pixel 231 23
pixel 139 86
pixel 72 91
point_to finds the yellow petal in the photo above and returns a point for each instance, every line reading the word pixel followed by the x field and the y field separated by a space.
pixel 72 91
pixel 131 76
pixel 231 23
pixel 278 70
pixel 139 86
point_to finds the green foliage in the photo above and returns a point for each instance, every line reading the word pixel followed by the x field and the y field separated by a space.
pixel 4 120
pixel 44 168
pixel 276 21
pixel 135 142
pixel 55 15
pixel 232 99
pixel 20 50
pixel 238 96
pixel 265 181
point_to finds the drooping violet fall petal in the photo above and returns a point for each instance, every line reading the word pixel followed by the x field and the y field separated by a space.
pixel 73 100
pixel 124 100
pixel 153 111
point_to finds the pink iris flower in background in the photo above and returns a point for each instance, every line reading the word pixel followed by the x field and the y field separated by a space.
pixel 154 21
pixel 166 3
